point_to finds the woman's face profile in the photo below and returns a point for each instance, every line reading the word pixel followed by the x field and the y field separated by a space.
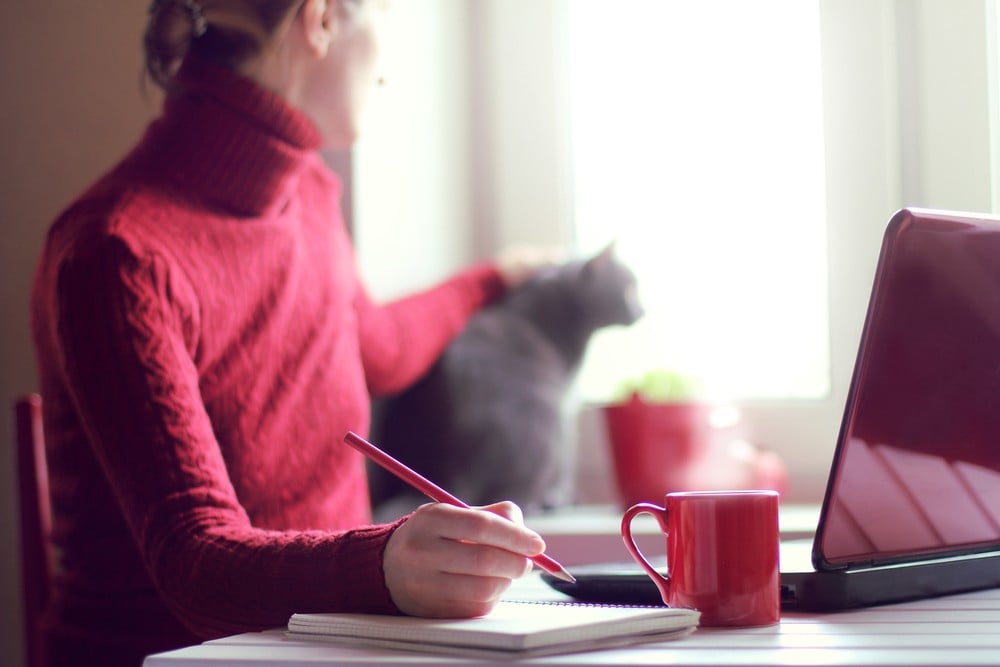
pixel 346 74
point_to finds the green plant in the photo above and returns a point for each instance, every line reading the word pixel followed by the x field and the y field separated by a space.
pixel 659 386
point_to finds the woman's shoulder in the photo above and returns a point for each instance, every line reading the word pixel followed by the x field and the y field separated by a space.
pixel 103 246
pixel 110 235
pixel 111 213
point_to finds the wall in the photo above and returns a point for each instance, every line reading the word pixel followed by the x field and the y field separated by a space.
pixel 72 103
pixel 464 150
pixel 413 199
pixel 944 104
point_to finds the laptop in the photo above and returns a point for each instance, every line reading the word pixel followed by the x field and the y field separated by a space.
pixel 912 504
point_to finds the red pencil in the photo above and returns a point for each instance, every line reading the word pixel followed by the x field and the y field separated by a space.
pixel 435 492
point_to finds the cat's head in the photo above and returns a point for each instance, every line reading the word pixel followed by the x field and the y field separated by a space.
pixel 607 290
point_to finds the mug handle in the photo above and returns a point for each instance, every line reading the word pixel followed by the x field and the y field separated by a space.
pixel 660 514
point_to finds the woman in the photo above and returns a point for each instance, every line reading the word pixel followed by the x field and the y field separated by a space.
pixel 204 342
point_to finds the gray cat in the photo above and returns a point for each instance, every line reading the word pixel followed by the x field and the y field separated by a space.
pixel 491 420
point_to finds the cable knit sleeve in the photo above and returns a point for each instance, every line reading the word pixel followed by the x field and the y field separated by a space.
pixel 127 331
pixel 402 339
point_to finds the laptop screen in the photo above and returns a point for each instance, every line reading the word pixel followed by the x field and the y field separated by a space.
pixel 917 467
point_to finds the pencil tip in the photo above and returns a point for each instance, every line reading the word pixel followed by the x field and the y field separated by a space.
pixel 564 575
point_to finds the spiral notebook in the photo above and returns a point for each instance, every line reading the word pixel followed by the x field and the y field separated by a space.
pixel 514 629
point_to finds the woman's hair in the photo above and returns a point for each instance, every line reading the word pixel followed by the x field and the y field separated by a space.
pixel 224 31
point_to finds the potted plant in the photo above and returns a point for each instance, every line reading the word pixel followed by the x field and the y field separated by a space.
pixel 665 436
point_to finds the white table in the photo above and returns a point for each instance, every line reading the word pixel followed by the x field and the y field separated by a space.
pixel 961 630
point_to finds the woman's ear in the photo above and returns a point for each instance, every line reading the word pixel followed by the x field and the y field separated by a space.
pixel 319 19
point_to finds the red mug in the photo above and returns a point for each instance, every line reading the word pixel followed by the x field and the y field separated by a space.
pixel 722 554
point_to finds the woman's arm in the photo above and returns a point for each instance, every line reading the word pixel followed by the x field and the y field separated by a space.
pixel 401 340
pixel 125 329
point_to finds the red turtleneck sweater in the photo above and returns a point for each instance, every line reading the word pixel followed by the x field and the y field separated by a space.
pixel 203 344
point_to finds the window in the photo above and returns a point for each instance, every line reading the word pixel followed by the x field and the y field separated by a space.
pixel 485 157
pixel 697 132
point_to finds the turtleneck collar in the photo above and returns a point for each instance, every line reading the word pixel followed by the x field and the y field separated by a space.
pixel 227 142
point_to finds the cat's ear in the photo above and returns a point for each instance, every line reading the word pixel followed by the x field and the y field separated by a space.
pixel 604 257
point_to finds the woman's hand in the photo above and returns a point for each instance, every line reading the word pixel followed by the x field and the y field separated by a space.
pixel 519 263
pixel 447 561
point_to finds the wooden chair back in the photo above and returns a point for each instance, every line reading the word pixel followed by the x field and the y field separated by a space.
pixel 35 520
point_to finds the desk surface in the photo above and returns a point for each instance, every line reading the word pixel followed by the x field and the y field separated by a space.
pixel 961 630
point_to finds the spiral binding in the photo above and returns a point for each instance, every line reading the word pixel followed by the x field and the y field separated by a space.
pixel 582 603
